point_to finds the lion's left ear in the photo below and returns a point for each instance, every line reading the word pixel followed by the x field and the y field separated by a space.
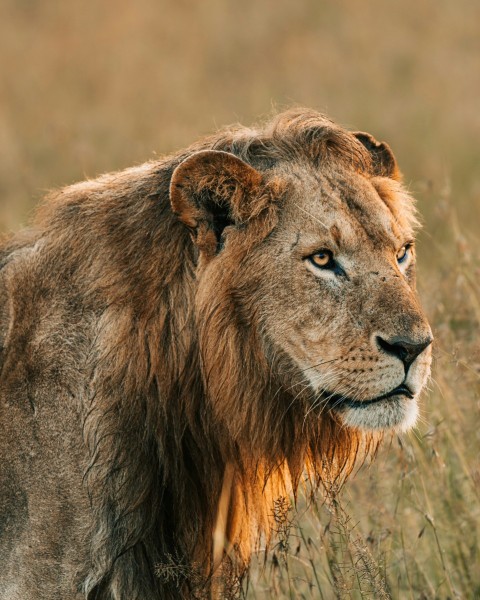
pixel 383 160
pixel 211 190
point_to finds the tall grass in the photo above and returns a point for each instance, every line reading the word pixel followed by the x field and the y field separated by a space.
pixel 89 87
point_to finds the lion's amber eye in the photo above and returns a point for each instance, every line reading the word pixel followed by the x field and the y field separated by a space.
pixel 323 259
pixel 403 253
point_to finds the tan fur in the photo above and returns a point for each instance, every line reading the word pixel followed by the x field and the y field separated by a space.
pixel 167 351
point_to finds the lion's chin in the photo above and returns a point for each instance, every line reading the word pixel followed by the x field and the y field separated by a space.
pixel 397 413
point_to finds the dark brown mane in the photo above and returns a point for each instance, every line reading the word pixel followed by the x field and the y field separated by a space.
pixel 163 371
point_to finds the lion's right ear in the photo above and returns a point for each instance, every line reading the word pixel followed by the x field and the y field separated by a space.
pixel 211 190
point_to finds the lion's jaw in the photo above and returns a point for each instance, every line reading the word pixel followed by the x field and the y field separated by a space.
pixel 398 411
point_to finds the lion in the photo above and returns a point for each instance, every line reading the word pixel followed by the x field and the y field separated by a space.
pixel 184 342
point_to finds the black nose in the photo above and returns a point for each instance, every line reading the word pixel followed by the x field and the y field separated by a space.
pixel 403 348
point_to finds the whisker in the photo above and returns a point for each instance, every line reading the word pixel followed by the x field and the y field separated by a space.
pixel 310 215
pixel 325 362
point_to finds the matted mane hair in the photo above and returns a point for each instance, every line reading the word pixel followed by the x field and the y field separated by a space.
pixel 190 438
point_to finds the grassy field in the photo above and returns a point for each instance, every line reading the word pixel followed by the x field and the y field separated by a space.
pixel 96 86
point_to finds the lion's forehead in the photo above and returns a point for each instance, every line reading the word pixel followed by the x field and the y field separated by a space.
pixel 344 207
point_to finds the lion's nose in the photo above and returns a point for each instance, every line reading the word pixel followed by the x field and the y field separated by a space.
pixel 405 349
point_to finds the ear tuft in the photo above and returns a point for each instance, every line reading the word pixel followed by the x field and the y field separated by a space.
pixel 383 160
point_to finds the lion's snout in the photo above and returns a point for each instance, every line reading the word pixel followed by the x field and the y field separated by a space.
pixel 405 348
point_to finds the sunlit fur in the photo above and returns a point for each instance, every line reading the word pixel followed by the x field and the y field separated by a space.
pixel 155 391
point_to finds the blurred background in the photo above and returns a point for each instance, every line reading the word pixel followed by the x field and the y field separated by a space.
pixel 88 87
pixel 93 86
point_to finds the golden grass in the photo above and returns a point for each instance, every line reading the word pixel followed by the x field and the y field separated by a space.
pixel 90 87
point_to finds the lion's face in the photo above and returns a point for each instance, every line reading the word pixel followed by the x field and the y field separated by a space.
pixel 329 290
pixel 337 296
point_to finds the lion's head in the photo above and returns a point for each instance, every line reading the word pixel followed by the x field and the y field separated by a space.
pixel 312 257
pixel 181 341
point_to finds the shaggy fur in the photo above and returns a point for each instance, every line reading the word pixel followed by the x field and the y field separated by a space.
pixel 152 404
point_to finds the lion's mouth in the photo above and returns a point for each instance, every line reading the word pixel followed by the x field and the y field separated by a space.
pixel 338 401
